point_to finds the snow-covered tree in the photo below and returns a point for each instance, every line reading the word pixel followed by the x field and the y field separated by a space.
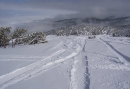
pixel 4 36
pixel 18 35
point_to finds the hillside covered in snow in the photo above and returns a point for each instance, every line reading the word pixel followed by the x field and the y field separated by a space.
pixel 91 25
pixel 67 62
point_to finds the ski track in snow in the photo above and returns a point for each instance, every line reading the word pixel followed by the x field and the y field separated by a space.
pixel 125 41
pixel 108 62
pixel 69 48
pixel 23 73
pixel 73 77
pixel 80 76
pixel 112 63
pixel 114 51
pixel 39 67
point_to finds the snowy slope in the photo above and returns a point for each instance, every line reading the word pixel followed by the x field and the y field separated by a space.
pixel 72 62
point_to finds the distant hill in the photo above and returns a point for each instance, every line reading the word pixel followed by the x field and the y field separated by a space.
pixel 109 21
pixel 92 25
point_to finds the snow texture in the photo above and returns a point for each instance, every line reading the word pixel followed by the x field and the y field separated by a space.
pixel 67 62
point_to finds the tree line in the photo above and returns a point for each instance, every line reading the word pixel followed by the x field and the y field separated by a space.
pixel 90 30
pixel 19 36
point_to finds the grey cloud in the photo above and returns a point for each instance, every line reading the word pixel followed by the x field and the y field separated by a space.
pixel 83 5
pixel 97 8
pixel 73 9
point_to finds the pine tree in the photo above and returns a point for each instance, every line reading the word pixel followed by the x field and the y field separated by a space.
pixel 17 34
pixel 4 36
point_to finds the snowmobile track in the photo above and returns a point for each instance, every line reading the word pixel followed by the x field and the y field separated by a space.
pixel 114 51
pixel 39 67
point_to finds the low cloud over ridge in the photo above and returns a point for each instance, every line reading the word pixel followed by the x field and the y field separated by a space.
pixel 19 12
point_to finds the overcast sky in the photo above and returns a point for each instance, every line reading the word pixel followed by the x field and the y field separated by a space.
pixel 21 12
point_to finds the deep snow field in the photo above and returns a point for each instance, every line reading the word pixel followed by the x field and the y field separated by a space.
pixel 67 62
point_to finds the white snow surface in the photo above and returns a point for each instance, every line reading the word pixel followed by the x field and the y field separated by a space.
pixel 67 62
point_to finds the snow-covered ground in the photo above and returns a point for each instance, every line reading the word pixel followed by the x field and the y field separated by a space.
pixel 67 62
